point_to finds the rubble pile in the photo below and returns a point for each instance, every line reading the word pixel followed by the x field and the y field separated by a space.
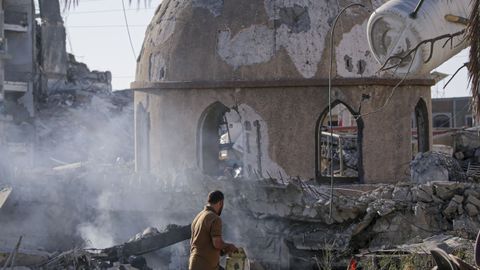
pixel 467 151
pixel 280 224
pixel 94 128
pixel 83 120
pixel 380 219
pixel 77 119
pixel 345 155
pixel 433 166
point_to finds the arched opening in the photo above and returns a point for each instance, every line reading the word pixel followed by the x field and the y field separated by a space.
pixel 441 121
pixel 420 129
pixel 219 154
pixel 343 136
pixel 142 139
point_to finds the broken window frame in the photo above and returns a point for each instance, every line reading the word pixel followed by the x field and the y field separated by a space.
pixel 318 137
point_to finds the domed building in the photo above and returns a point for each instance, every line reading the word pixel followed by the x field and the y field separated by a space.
pixel 240 88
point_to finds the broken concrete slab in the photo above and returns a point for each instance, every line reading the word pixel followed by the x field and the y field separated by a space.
pixel 471 210
pixel 473 200
pixel 458 199
pixel 150 241
pixel 422 195
pixel 432 166
pixel 4 194
pixel 451 209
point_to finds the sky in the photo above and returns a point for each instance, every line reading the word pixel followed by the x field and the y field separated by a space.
pixel 97 36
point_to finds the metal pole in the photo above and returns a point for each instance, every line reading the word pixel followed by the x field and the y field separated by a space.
pixel 413 15
pixel 340 148
pixel 332 39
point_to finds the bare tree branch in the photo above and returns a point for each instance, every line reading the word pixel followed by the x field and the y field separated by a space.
pixel 431 42
pixel 454 74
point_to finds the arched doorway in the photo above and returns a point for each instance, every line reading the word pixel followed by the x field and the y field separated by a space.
pixel 220 151
pixel 343 136
pixel 421 128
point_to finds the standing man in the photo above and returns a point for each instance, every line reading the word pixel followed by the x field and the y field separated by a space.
pixel 207 243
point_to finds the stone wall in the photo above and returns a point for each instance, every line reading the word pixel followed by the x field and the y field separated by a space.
pixel 290 116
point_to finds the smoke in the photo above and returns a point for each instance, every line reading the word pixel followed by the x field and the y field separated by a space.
pixel 81 189
pixel 83 149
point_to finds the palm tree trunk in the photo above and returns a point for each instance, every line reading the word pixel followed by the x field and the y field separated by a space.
pixel 474 65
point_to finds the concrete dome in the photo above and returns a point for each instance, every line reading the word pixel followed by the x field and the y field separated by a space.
pixel 248 40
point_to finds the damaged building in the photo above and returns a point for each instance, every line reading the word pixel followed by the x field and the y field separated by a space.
pixel 223 91
pixel 17 78
pixel 222 94
pixel 41 81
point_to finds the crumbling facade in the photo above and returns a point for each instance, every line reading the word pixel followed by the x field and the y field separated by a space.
pixel 206 71
pixel 37 75
pixel 17 78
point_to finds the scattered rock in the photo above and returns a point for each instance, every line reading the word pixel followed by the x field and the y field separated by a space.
pixel 450 210
pixel 442 149
pixel 472 192
pixel 471 209
pixel 460 209
pixel 467 226
pixel 422 196
pixel 458 199
pixel 402 194
pixel 443 192
pixel 473 200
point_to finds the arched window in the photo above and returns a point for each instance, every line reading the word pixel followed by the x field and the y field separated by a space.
pixel 442 121
pixel 338 144
pixel 421 128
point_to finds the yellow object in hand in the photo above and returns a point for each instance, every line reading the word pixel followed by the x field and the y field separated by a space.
pixel 237 260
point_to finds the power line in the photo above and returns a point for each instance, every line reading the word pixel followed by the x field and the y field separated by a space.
pixel 106 26
pixel 128 30
pixel 105 11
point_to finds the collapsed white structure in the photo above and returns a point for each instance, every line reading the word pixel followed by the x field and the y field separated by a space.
pixel 399 26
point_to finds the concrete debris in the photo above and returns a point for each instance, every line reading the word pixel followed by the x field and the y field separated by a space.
pixel 4 194
pixel 346 157
pixel 446 242
pixel 385 216
pixel 417 256
pixel 292 220
pixel 382 218
pixel 127 255
pixel 66 125
pixel 432 166
pixel 150 241
pixel 150 231
pixel 73 166
pixel 442 149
